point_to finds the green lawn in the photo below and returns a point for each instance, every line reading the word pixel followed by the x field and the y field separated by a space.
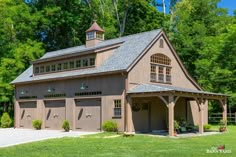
pixel 139 145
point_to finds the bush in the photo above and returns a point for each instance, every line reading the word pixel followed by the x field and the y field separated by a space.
pixel 110 126
pixel 6 120
pixel 37 124
pixel 207 127
pixel 176 125
pixel 223 123
pixel 66 125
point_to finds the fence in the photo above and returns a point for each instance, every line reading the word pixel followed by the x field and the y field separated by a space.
pixel 216 117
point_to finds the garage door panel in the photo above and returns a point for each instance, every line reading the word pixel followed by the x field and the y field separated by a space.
pixel 27 114
pixel 54 114
pixel 88 115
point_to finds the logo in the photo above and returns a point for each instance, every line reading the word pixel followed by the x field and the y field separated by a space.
pixel 219 149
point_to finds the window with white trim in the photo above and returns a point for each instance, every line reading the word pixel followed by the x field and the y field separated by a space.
pixel 92 61
pixel 41 69
pixel 90 35
pixel 36 70
pixel 99 35
pixel 53 67
pixel 117 108
pixel 160 73
pixel 78 63
pixel 59 67
pixel 65 65
pixel 160 68
pixel 168 74
pixel 153 72
pixel 85 62
pixel 72 64
pixel 48 68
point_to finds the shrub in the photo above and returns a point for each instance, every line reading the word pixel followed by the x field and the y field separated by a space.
pixel 176 125
pixel 110 126
pixel 37 124
pixel 207 127
pixel 223 123
pixel 66 125
pixel 6 120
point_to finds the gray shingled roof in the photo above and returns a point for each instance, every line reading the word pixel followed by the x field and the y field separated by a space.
pixel 151 88
pixel 123 56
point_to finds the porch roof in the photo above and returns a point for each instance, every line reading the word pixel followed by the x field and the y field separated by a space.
pixel 157 88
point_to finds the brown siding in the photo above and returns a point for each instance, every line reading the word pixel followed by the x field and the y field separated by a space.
pixel 159 115
pixel 193 113
pixel 141 71
pixel 181 109
pixel 102 56
pixel 112 87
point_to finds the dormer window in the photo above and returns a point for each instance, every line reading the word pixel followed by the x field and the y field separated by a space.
pixel 53 67
pixel 65 65
pixel 59 67
pixel 78 63
pixel 48 68
pixel 36 70
pixel 92 61
pixel 41 69
pixel 160 68
pixel 85 62
pixel 71 64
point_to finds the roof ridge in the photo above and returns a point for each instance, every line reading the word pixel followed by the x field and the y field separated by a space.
pixel 106 40
pixel 139 33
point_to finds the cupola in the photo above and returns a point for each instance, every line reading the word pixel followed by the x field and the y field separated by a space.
pixel 94 35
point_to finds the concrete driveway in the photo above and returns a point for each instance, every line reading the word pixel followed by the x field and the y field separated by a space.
pixel 11 136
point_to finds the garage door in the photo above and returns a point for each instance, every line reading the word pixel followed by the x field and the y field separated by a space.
pixel 88 115
pixel 54 114
pixel 27 114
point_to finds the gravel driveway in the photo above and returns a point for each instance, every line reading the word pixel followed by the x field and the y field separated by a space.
pixel 11 136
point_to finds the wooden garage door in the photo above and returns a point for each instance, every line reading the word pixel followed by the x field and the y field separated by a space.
pixel 27 114
pixel 88 115
pixel 54 114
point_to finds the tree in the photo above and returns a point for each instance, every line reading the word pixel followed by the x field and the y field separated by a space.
pixel 140 16
pixel 204 35
pixel 192 22
pixel 65 22
pixel 18 44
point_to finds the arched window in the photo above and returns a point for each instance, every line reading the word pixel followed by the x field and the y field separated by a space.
pixel 159 58
pixel 160 68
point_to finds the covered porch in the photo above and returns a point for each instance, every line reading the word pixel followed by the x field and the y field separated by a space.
pixel 155 107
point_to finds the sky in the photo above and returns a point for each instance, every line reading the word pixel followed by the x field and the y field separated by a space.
pixel 229 4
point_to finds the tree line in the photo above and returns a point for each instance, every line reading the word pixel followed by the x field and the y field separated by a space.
pixel 202 33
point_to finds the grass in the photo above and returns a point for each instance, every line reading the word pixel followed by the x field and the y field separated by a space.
pixel 100 145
